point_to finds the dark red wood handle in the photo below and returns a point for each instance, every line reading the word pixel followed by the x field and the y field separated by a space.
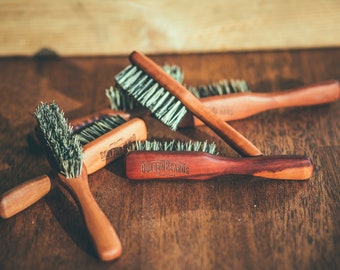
pixel 142 165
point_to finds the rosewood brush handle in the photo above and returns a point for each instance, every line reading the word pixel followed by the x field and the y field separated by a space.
pixel 242 105
pixel 104 236
pixel 143 165
pixel 235 139
pixel 24 195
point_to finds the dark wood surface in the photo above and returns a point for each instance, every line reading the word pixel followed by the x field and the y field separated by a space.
pixel 230 222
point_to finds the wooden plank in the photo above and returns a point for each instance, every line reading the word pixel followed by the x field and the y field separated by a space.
pixel 70 27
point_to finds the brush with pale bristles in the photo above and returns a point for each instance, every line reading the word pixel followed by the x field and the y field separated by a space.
pixel 65 154
pixel 169 101
pixel 103 141
pixel 200 161
pixel 233 100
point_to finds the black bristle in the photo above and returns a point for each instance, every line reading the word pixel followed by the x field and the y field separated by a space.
pixel 59 139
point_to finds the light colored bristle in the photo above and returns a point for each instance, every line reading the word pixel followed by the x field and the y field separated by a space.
pixel 59 139
pixel 174 145
pixel 99 128
pixel 121 100
pixel 149 93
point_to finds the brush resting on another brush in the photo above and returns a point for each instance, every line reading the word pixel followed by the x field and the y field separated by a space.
pixel 149 80
pixel 97 154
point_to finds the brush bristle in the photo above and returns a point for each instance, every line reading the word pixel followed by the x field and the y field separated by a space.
pixel 126 100
pixel 59 139
pixel 119 100
pixel 223 87
pixel 99 128
pixel 174 145
pixel 150 94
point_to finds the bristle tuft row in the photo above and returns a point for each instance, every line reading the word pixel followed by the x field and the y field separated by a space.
pixel 59 139
pixel 99 128
pixel 120 100
pixel 223 87
pixel 174 145
pixel 149 93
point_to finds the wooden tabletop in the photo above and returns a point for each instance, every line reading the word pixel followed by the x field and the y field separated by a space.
pixel 229 222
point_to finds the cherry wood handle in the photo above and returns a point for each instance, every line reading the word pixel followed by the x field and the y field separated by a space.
pixel 242 105
pixel 19 198
pixel 103 234
pixel 143 165
pixel 235 139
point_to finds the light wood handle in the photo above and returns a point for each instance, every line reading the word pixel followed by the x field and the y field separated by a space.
pixel 104 236
pixel 242 105
pixel 108 147
pixel 24 195
pixel 235 139
pixel 202 166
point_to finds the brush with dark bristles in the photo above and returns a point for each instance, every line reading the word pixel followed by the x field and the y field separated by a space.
pixel 169 101
pixel 199 161
pixel 103 141
pixel 64 152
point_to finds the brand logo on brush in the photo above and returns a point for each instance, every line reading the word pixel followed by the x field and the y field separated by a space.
pixel 117 148
pixel 165 167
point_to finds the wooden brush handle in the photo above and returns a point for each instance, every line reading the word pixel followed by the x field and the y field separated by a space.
pixel 235 139
pixel 143 165
pixel 242 105
pixel 104 236
pixel 108 147
pixel 24 195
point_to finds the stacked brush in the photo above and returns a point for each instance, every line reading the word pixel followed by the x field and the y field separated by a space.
pixel 88 144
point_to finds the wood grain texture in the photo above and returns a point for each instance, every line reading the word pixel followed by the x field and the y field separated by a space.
pixel 70 27
pixel 198 166
pixel 231 222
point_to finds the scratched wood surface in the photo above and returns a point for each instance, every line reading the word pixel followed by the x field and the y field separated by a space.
pixel 231 222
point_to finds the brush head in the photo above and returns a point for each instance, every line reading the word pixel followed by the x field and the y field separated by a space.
pixel 167 108
pixel 174 145
pixel 222 87
pixel 119 100
pixel 99 128
pixel 63 148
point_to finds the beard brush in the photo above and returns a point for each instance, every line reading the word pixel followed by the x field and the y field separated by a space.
pixel 65 154
pixel 230 100
pixel 169 101
pixel 103 141
pixel 200 161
